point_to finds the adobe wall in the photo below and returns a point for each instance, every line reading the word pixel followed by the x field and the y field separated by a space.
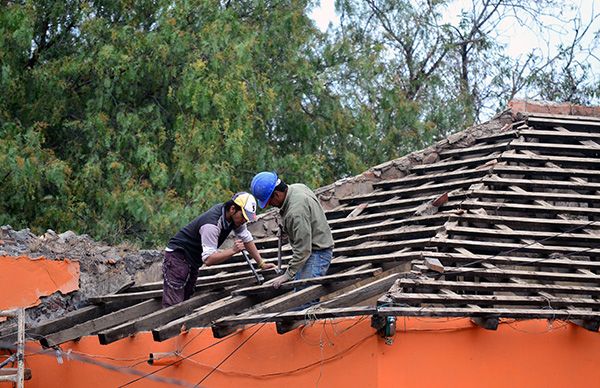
pixel 425 352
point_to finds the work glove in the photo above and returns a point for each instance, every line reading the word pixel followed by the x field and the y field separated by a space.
pixel 281 279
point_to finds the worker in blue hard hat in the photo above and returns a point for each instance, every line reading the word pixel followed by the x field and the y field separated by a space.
pixel 198 243
pixel 304 222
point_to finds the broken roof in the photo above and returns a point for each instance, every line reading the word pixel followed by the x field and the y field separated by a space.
pixel 502 221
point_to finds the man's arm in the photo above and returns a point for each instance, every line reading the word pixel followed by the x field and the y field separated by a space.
pixel 251 248
pixel 209 234
pixel 220 256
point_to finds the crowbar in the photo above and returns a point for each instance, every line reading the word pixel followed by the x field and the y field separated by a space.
pixel 259 278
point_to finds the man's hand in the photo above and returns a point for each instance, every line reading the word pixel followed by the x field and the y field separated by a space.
pixel 268 266
pixel 281 279
pixel 238 246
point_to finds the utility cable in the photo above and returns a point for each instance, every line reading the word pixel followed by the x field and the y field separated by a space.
pixel 229 355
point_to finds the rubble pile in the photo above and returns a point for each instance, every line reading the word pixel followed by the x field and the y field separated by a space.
pixel 104 269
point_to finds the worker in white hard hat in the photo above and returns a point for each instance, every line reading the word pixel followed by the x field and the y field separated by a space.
pixel 198 243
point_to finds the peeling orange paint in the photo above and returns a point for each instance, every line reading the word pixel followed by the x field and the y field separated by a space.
pixel 347 352
pixel 24 280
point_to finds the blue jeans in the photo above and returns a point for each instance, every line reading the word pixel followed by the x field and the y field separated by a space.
pixel 316 265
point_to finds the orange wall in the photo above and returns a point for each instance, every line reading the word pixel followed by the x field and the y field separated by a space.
pixel 342 353
pixel 24 280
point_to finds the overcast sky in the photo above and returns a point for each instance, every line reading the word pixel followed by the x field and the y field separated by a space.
pixel 519 39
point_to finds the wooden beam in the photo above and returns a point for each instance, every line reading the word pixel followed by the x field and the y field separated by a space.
pixel 453 164
pixel 478 149
pixel 351 297
pixel 496 312
pixel 553 121
pixel 441 177
pixel 505 273
pixel 526 288
pixel 553 135
pixel 557 149
pixel 453 258
pixel 545 171
pixel 203 316
pixel 286 302
pixel 491 300
pixel 315 313
pixel 76 317
pixel 157 318
pixel 497 247
pixel 133 296
pixel 101 323
pixel 309 282
pixel 437 188
pixel 563 161
pixel 5 372
pixel 495 181
pixel 525 234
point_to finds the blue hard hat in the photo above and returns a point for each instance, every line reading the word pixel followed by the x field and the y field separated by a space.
pixel 262 187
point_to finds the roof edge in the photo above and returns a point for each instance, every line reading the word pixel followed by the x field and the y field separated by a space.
pixel 554 109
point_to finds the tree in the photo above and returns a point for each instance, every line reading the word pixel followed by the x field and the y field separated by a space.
pixel 151 111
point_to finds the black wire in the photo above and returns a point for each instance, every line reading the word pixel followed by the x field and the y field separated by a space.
pixel 229 355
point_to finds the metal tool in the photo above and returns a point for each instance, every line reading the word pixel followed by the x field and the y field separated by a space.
pixel 279 244
pixel 259 278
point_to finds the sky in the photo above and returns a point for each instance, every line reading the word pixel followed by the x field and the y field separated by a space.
pixel 519 39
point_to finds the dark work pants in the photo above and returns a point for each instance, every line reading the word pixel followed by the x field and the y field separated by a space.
pixel 179 278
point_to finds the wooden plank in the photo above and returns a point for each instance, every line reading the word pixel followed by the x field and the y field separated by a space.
pixel 343 261
pixel 386 206
pixel 441 177
pixel 582 121
pixel 478 149
pixel 402 214
pixel 428 220
pixel 531 195
pixel 315 313
pixel 453 258
pixel 553 135
pixel 484 312
pixel 13 371
pixel 286 302
pixel 157 318
pixel 491 300
pixel 76 317
pixel 203 316
pixel 132 296
pixel 557 149
pixel 530 208
pixel 453 164
pixel 507 273
pixel 546 171
pixel 540 223
pixel 394 235
pixel 563 161
pixel 309 282
pixel 436 188
pixel 367 291
pixel 541 183
pixel 101 323
pixel 499 248
pixel 525 234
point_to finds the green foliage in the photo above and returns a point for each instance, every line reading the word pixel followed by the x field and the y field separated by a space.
pixel 125 119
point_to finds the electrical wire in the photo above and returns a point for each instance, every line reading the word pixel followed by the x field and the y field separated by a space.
pixel 229 355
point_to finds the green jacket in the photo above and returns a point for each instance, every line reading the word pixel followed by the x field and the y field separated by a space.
pixel 305 224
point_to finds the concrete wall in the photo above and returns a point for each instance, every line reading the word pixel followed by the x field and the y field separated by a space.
pixel 340 353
